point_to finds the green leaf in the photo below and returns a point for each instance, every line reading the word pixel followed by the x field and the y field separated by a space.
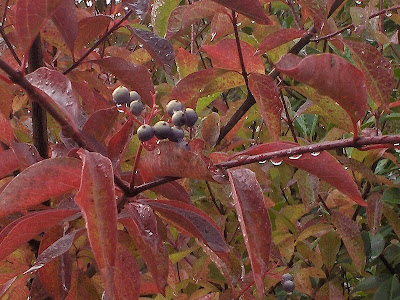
pixel 391 195
pixel 389 290
pixel 329 245
pixel 160 13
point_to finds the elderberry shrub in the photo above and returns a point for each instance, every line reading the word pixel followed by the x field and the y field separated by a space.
pixel 162 130
pixel 145 132
pixel 136 107
pixel 173 106
pixel 190 117
pixel 121 95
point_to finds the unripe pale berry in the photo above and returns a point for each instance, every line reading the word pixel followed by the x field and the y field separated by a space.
pixel 145 132
pixel 172 106
pixel 178 118
pixel 121 95
pixel 190 117
pixel 288 286
pixel 287 276
pixel 133 95
pixel 162 130
pixel 136 107
pixel 176 134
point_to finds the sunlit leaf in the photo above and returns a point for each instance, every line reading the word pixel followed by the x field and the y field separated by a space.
pixel 200 10
pixel 279 38
pixel 96 199
pixel 265 91
pixel 224 55
pixel 40 182
pixel 321 164
pixel 350 234
pixel 27 227
pixel 141 224
pixel 161 10
pixel 331 76
pixel 136 77
pixel 191 221
pixel 186 62
pixel 254 221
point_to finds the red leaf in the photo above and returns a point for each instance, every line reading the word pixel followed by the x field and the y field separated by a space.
pixel 96 198
pixel 191 221
pixel 140 7
pixel 6 131
pixel 67 22
pixel 136 77
pixel 25 228
pixel 40 182
pixel 332 76
pixel 224 55
pixel 174 24
pixel 89 29
pixel 173 190
pixel 127 275
pixel 168 159
pixel 101 123
pixel 58 87
pixel 161 50
pixel 377 70
pixel 374 212
pixel 279 38
pixel 265 91
pixel 31 17
pixel 351 236
pixel 250 8
pixel 26 154
pixel 323 165
pixel 186 62
pixel 92 101
pixel 118 143
pixel 203 83
pixel 141 224
pixel 254 221
pixel 9 163
pixel 200 10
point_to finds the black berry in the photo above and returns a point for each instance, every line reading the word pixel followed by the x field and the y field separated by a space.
pixel 136 107
pixel 190 117
pixel 172 106
pixel 288 286
pixel 176 134
pixel 162 130
pixel 121 95
pixel 145 132
pixel 178 118
pixel 133 95
pixel 286 277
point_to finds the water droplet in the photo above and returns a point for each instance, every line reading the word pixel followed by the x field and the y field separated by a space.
pixel 396 144
pixel 295 156
pixel 388 14
pixel 262 162
pixel 277 162
pixel 158 151
pixel 315 153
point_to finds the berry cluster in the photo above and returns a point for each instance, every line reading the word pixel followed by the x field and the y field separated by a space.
pixel 163 130
pixel 122 96
pixel 287 283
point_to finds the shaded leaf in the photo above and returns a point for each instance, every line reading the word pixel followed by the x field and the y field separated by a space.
pixel 323 165
pixel 140 7
pixel 92 100
pixel 265 91
pixel 393 218
pixel 329 245
pixel 58 87
pixel 203 83
pixel 173 190
pixel 26 154
pixel 250 8
pixel 389 290
pixel 118 143
pixel 279 38
pixel 254 221
pixel 141 224
pixel 210 129
pixel 67 22
pixel 186 62
pixel 96 199
pixel 31 16
pixel 160 13
pixel 200 10
pixel 127 276
pixel 174 24
pixel 308 188
pixel 168 159
pixel 6 131
pixel 191 221
pixel 377 71
pixel 27 227
pixel 161 50
pixel 82 287
pixel 40 182
pixel 100 124
pixel 136 77
pixel 374 212
pixel 224 55
pixel 330 290
pixel 351 236
pixel 331 76
pixel 9 163
pixel 89 29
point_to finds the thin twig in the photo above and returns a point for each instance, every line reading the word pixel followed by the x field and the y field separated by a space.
pixel 295 16
pixel 5 38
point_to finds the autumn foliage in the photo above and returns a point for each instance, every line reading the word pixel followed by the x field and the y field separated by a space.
pixel 287 185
